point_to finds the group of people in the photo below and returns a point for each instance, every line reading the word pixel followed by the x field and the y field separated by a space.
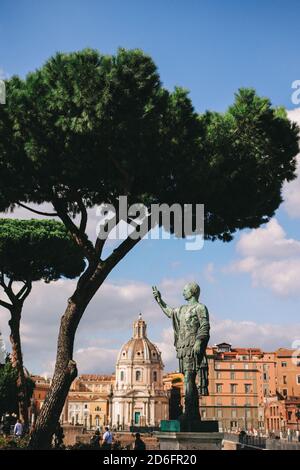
pixel 107 441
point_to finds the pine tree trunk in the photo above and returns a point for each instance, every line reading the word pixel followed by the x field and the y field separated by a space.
pixel 65 368
pixel 17 362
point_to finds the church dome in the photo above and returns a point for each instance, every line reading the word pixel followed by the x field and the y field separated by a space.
pixel 139 348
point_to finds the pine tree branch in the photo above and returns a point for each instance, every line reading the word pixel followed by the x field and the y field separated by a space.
pixel 24 291
pixel 124 248
pixel 48 214
pixel 80 238
pixel 5 304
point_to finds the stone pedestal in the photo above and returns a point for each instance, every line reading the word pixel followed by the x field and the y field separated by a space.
pixel 187 425
pixel 190 440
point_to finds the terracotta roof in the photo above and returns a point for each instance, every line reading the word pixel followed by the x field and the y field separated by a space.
pixel 284 352
pixel 86 398
pixel 247 350
pixel 96 377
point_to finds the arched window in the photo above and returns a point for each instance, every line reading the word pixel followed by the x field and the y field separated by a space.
pixel 122 375
pixel 154 376
pixel 138 375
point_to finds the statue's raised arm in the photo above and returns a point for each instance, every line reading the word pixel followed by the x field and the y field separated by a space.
pixel 165 308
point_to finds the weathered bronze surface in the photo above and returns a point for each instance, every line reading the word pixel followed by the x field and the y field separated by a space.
pixel 191 334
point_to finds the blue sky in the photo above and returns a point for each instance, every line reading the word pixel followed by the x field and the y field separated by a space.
pixel 211 48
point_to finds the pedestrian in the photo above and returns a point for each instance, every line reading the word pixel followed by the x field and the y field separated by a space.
pixel 107 439
pixel 95 440
pixel 139 444
pixel 18 429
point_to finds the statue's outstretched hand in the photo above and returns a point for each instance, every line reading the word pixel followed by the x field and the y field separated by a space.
pixel 156 294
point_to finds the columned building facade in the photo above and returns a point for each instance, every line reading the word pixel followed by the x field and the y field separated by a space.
pixel 139 398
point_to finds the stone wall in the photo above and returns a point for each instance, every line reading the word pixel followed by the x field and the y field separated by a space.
pixel 71 432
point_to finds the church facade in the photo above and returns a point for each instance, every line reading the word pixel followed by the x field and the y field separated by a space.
pixel 139 397
pixel 134 396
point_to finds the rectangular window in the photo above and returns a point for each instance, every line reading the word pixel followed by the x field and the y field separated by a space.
pixel 138 375
pixel 298 379
pixel 246 375
pixel 233 402
pixel 218 388
pixel 233 388
pixel 248 413
pixel 284 379
pixel 231 366
pixel 218 374
pixel 219 413
pixel 233 413
pixel 203 413
pixel 246 366
pixel 233 424
pixel 265 377
pixel 284 392
pixel 247 388
pixel 283 364
pixel 232 375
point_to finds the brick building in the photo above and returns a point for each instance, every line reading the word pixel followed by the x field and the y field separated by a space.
pixel 281 415
pixel 240 379
pixel 288 372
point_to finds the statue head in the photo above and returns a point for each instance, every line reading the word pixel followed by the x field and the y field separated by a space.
pixel 192 289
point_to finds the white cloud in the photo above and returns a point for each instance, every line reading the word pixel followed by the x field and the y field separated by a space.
pixel 291 195
pixel 294 115
pixel 268 242
pixel 96 360
pixel 107 324
pixel 246 333
pixel 209 271
pixel 3 75
pixel 167 349
pixel 272 259
pixel 291 191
